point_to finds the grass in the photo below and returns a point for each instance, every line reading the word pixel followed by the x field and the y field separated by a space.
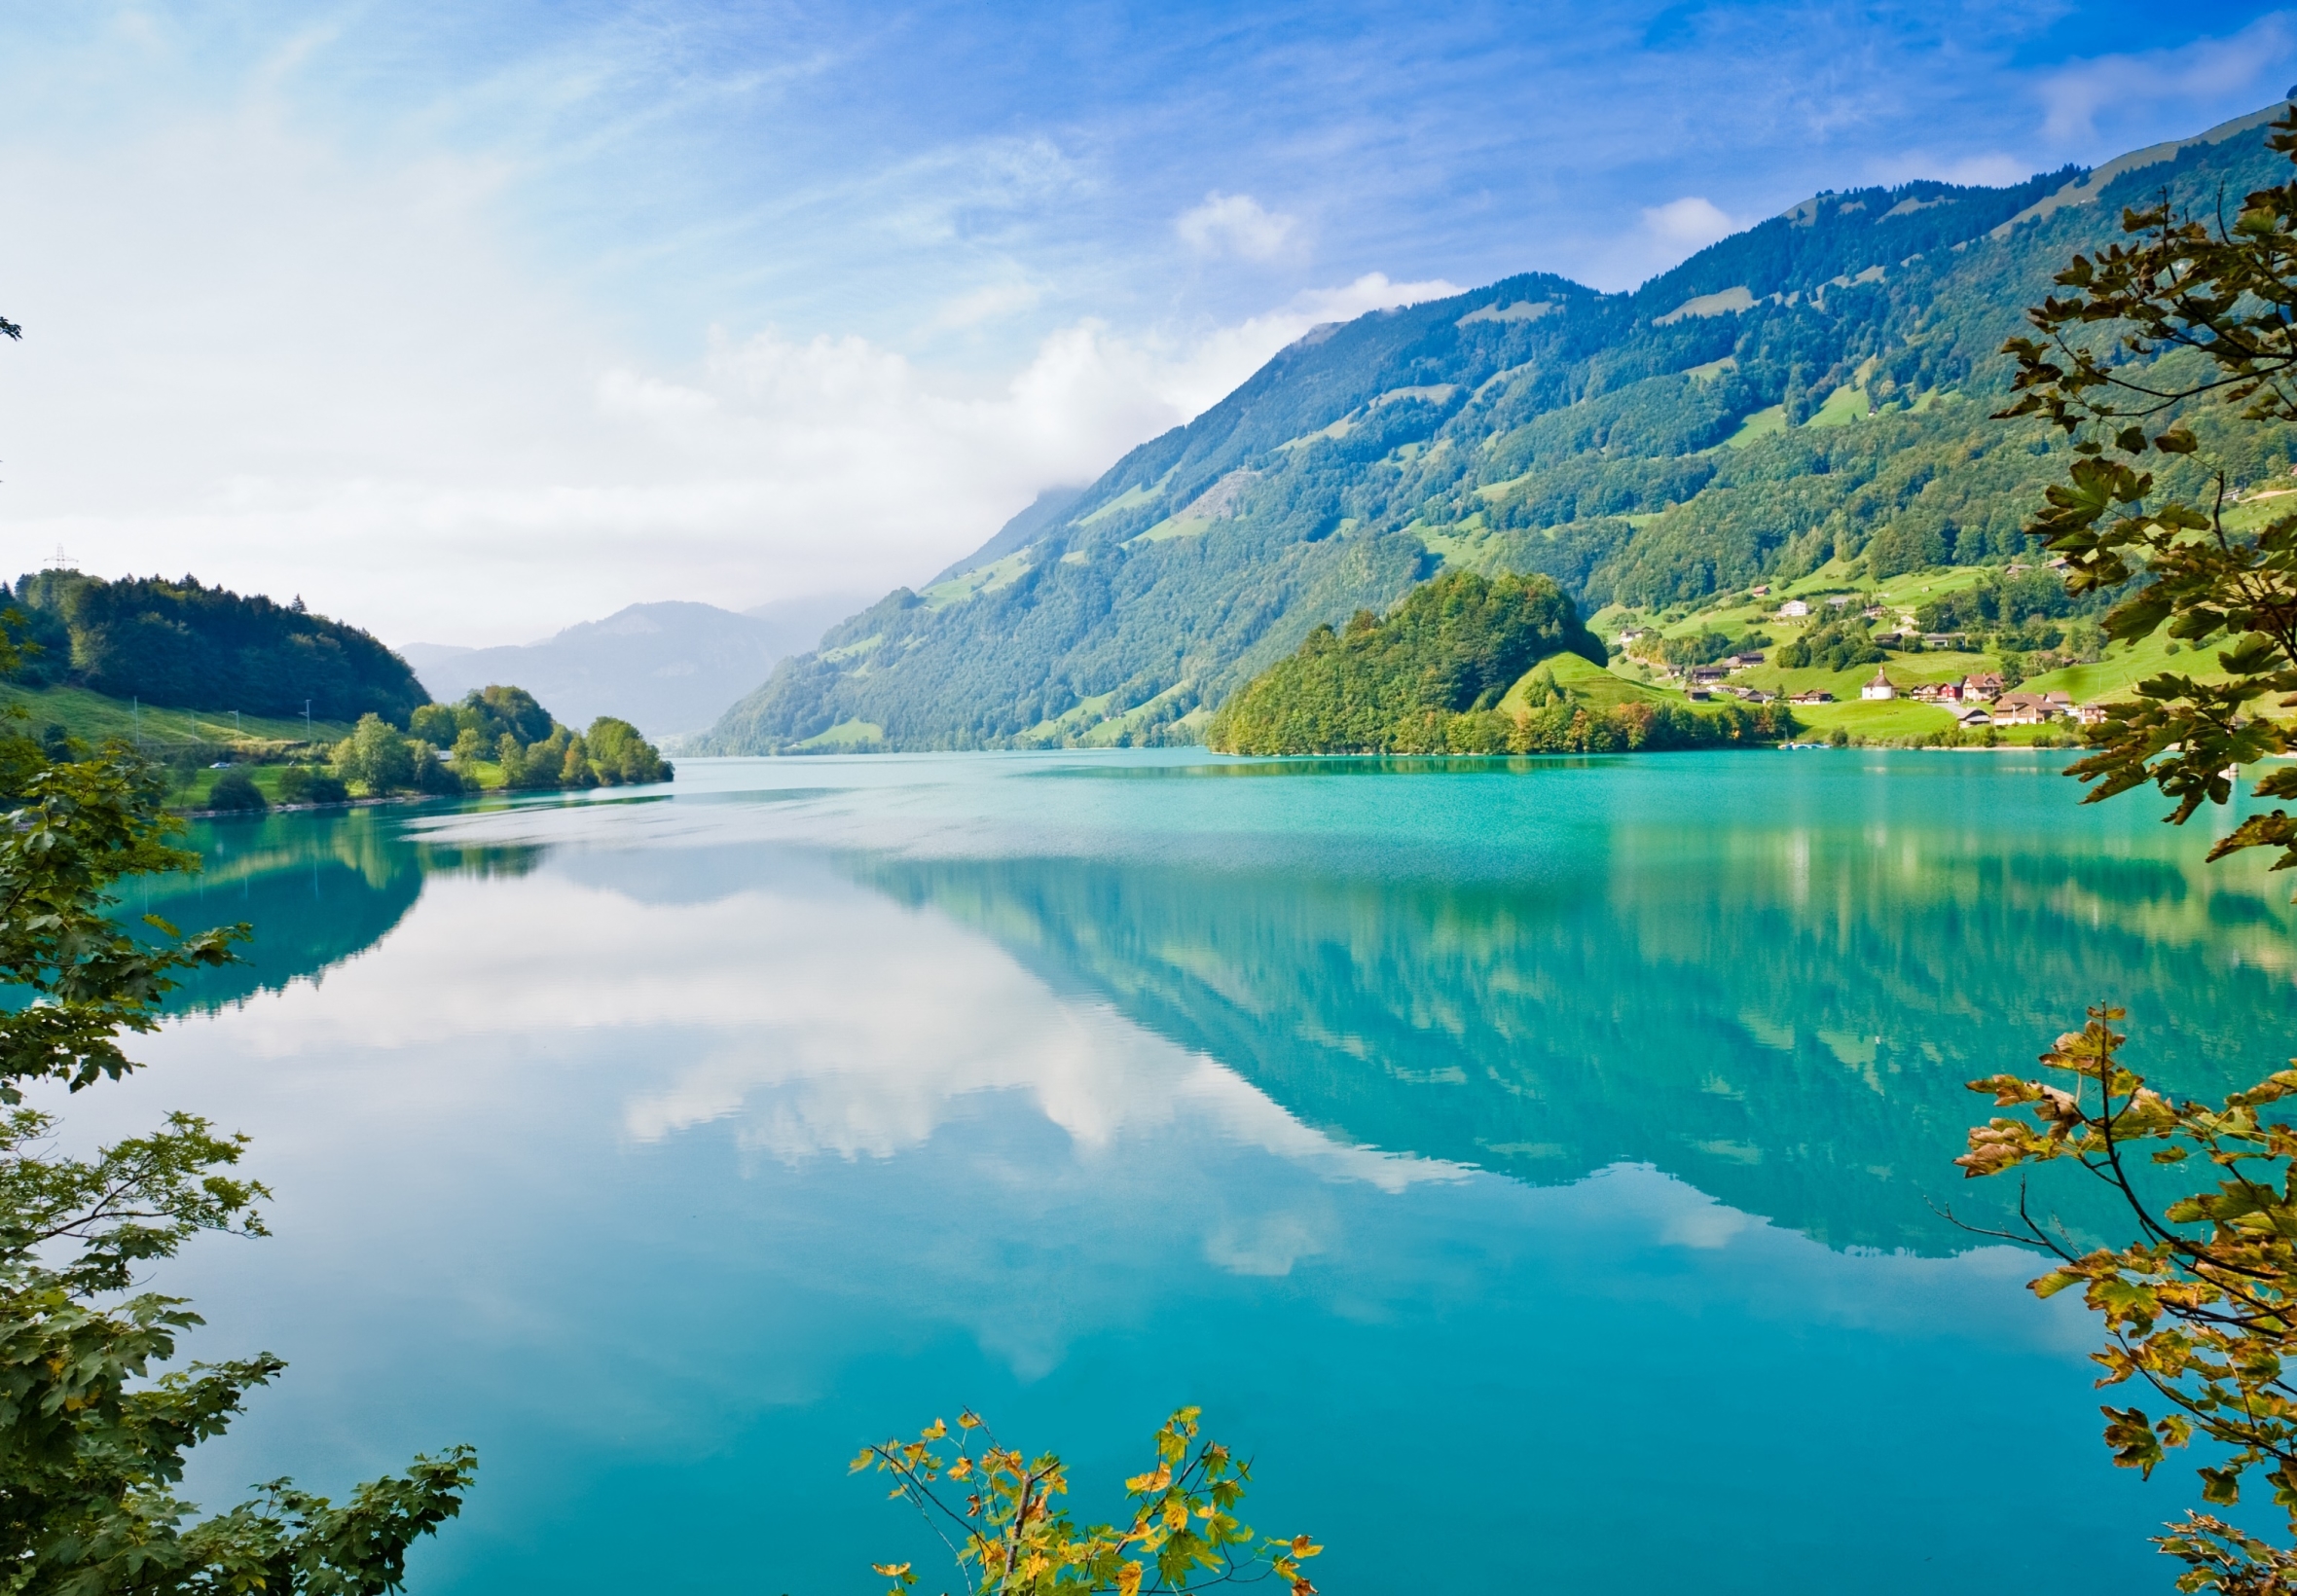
pixel 1845 404
pixel 847 734
pixel 94 717
pixel 998 574
pixel 1173 527
pixel 1130 498
pixel 1768 422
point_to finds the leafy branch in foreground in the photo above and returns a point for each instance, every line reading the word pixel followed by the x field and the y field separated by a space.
pixel 1182 1536
pixel 2201 1308
pixel 2194 321
pixel 93 1436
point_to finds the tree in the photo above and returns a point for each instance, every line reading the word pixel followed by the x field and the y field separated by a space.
pixel 236 789
pixel 2165 354
pixel 2190 325
pixel 377 755
pixel 1009 1531
pixel 93 1434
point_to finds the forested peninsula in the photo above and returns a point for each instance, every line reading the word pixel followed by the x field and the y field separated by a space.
pixel 183 644
pixel 1467 664
pixel 287 706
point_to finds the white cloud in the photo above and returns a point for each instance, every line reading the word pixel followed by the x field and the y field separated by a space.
pixel 349 384
pixel 1236 224
pixel 2180 80
pixel 1692 222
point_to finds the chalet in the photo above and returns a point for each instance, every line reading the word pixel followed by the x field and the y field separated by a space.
pixel 2090 714
pixel 1762 591
pixel 2022 710
pixel 1815 695
pixel 1794 609
pixel 1987 684
pixel 1942 640
pixel 1739 662
pixel 1709 672
pixel 1973 714
pixel 1879 688
pixel 1840 601
pixel 1632 634
pixel 1873 612
pixel 1937 692
pixel 2060 704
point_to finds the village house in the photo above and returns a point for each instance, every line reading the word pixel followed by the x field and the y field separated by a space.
pixel 1794 609
pixel 1762 591
pixel 1973 714
pixel 1632 634
pixel 2022 710
pixel 1879 688
pixel 1815 695
pixel 1985 684
pixel 1709 672
pixel 1937 692
pixel 1739 662
pixel 1942 640
pixel 2090 714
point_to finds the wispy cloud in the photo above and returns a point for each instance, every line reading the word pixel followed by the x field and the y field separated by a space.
pixel 1692 222
pixel 325 306
pixel 1236 224
pixel 2253 62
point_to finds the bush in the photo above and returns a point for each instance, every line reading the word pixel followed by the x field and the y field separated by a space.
pixel 434 779
pixel 236 789
pixel 301 785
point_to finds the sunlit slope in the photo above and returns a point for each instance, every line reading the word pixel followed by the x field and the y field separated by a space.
pixel 1815 389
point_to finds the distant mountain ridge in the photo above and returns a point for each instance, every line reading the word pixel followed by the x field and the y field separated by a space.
pixel 1816 386
pixel 666 668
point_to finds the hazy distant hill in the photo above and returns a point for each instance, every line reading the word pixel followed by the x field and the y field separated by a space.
pixel 1817 387
pixel 665 668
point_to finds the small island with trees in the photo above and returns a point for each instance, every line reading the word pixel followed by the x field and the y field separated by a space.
pixel 1469 664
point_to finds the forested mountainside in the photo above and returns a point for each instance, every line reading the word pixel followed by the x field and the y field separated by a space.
pixel 186 646
pixel 1815 388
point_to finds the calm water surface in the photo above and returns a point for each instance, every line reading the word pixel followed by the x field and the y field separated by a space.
pixel 1536 1167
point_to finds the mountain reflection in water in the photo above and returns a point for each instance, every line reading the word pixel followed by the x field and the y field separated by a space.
pixel 667 1149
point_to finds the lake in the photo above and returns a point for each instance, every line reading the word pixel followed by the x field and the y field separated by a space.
pixel 1537 1168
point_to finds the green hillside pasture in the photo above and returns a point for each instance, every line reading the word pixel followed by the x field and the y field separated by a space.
pixel 2123 667
pixel 847 734
pixel 998 574
pixel 1584 683
pixel 93 718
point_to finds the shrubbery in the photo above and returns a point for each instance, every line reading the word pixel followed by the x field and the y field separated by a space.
pixel 236 789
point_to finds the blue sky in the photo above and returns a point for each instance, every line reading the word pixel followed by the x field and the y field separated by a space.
pixel 593 303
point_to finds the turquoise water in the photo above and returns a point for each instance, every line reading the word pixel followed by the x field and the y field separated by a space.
pixel 1536 1167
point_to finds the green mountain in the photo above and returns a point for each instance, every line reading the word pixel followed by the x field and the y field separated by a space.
pixel 1815 388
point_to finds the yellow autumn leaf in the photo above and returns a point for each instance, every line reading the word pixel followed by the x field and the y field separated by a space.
pixel 891 1570
pixel 1302 1546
